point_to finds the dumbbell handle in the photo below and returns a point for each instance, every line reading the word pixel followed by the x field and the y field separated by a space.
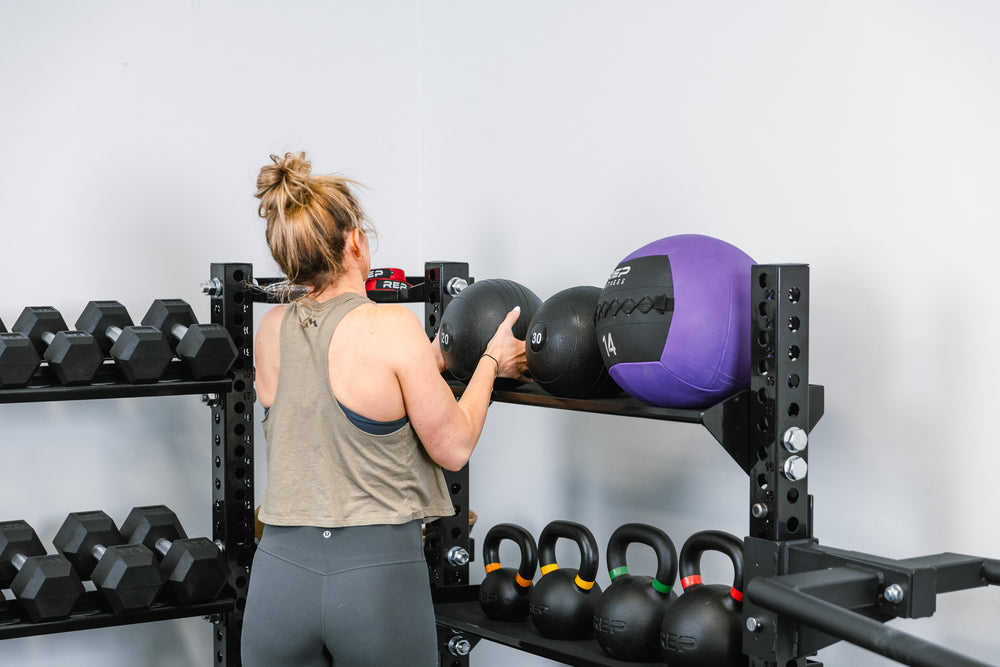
pixel 18 561
pixel 163 545
pixel 178 331
pixel 48 337
pixel 113 333
pixel 97 551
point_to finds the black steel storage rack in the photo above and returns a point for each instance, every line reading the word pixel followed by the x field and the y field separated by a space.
pixel 231 403
pixel 800 596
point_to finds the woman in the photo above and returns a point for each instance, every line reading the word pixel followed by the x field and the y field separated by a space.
pixel 358 423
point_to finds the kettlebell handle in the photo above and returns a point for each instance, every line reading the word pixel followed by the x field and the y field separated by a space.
pixel 662 545
pixel 589 555
pixel 523 539
pixel 712 540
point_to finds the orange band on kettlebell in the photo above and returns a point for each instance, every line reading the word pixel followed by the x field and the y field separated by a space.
pixel 736 595
pixel 548 568
pixel 492 566
pixel 690 581
pixel 585 585
pixel 521 581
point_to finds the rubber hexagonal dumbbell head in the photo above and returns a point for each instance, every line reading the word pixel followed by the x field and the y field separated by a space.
pixel 74 356
pixel 98 316
pixel 80 533
pixel 18 360
pixel 206 349
pixel 128 576
pixel 45 585
pixel 196 570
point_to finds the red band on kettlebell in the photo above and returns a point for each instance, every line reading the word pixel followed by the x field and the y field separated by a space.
pixel 690 581
pixel 583 584
pixel 735 594
pixel 548 568
pixel 492 566
pixel 521 581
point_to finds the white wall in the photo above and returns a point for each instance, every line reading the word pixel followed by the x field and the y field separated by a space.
pixel 540 142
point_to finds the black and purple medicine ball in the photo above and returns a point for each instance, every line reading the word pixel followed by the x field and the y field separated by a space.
pixel 673 321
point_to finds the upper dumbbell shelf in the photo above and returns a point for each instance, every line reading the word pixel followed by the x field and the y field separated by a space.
pixel 108 384
pixel 728 421
pixel 91 612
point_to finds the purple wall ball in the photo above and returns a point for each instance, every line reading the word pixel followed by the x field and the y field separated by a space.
pixel 673 321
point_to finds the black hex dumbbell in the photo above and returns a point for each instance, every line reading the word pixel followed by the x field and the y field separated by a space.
pixel 126 574
pixel 45 585
pixel 18 359
pixel 206 349
pixel 74 356
pixel 195 567
pixel 141 353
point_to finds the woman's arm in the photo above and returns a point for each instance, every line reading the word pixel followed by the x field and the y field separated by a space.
pixel 449 430
pixel 267 355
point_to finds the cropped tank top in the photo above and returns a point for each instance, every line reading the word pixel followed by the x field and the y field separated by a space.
pixel 323 470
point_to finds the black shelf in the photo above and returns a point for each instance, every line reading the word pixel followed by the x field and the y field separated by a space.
pixel 91 612
pixel 107 384
pixel 728 421
pixel 467 617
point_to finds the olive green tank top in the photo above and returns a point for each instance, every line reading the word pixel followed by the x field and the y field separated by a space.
pixel 322 470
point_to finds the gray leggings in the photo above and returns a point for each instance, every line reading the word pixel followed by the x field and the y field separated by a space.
pixel 339 596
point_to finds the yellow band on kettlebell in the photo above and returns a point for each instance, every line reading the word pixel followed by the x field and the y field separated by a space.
pixel 521 581
pixel 585 585
pixel 492 566
pixel 548 568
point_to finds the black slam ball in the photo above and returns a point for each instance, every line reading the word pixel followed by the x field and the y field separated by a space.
pixel 563 356
pixel 472 317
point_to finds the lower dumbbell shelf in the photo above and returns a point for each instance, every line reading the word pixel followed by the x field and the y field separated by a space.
pixel 91 612
pixel 457 607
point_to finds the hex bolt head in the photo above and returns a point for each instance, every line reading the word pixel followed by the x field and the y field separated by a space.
pixel 759 510
pixel 893 593
pixel 796 468
pixel 754 624
pixel 795 439
pixel 458 556
pixel 459 645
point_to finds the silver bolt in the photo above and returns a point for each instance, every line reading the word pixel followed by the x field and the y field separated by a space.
pixel 458 556
pixel 459 645
pixel 796 468
pixel 754 624
pixel 456 285
pixel 893 594
pixel 759 510
pixel 795 439
pixel 212 287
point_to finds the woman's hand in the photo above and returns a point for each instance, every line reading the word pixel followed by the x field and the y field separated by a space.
pixel 508 351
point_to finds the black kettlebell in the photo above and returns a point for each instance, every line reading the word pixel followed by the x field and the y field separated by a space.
pixel 504 593
pixel 703 628
pixel 628 616
pixel 562 603
pixel 471 319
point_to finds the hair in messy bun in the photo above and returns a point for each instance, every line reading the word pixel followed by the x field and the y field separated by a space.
pixel 307 218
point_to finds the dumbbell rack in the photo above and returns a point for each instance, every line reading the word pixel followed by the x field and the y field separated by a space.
pixel 800 596
pixel 231 402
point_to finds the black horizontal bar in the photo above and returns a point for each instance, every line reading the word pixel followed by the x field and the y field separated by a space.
pixel 106 385
pixel 779 594
pixel 91 612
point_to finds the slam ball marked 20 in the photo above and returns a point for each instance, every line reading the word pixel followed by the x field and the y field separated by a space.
pixel 472 317
pixel 673 321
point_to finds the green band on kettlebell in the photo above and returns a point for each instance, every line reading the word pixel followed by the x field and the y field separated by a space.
pixel 618 571
pixel 662 588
